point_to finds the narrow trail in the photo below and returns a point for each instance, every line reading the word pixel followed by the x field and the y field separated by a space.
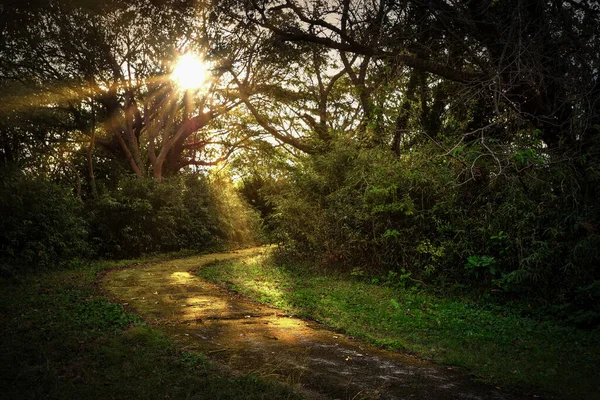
pixel 251 337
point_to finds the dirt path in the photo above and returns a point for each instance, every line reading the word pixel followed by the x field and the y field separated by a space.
pixel 250 337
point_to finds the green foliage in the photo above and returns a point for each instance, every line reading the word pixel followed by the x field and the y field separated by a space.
pixel 141 216
pixel 185 212
pixel 526 156
pixel 360 205
pixel 481 265
pixel 393 279
pixel 41 227
pixel 44 226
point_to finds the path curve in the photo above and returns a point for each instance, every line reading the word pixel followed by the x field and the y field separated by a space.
pixel 251 337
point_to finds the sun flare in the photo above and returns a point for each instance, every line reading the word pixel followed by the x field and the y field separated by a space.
pixel 190 72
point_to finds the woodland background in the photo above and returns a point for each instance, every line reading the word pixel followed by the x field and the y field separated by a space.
pixel 451 144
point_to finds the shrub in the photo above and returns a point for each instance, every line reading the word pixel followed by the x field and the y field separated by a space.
pixel 364 206
pixel 41 227
pixel 182 212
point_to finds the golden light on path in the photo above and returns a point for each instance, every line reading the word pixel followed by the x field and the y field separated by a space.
pixel 190 72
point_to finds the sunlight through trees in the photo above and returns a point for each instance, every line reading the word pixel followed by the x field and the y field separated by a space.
pixel 456 142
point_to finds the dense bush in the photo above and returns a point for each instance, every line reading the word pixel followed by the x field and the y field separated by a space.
pixel 530 234
pixel 183 212
pixel 44 226
pixel 41 225
pixel 363 208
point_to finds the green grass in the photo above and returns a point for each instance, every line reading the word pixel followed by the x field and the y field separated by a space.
pixel 61 339
pixel 493 343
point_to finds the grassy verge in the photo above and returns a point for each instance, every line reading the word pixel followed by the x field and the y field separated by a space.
pixel 494 344
pixel 62 340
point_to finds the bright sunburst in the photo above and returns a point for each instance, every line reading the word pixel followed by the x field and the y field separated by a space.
pixel 190 72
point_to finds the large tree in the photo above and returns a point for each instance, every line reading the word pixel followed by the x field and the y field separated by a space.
pixel 105 69
pixel 535 59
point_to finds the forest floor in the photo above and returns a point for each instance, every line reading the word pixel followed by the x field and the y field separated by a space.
pixel 249 337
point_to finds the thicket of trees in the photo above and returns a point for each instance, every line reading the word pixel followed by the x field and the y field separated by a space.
pixel 44 226
pixel 455 141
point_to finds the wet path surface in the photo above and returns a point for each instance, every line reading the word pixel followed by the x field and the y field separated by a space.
pixel 250 337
